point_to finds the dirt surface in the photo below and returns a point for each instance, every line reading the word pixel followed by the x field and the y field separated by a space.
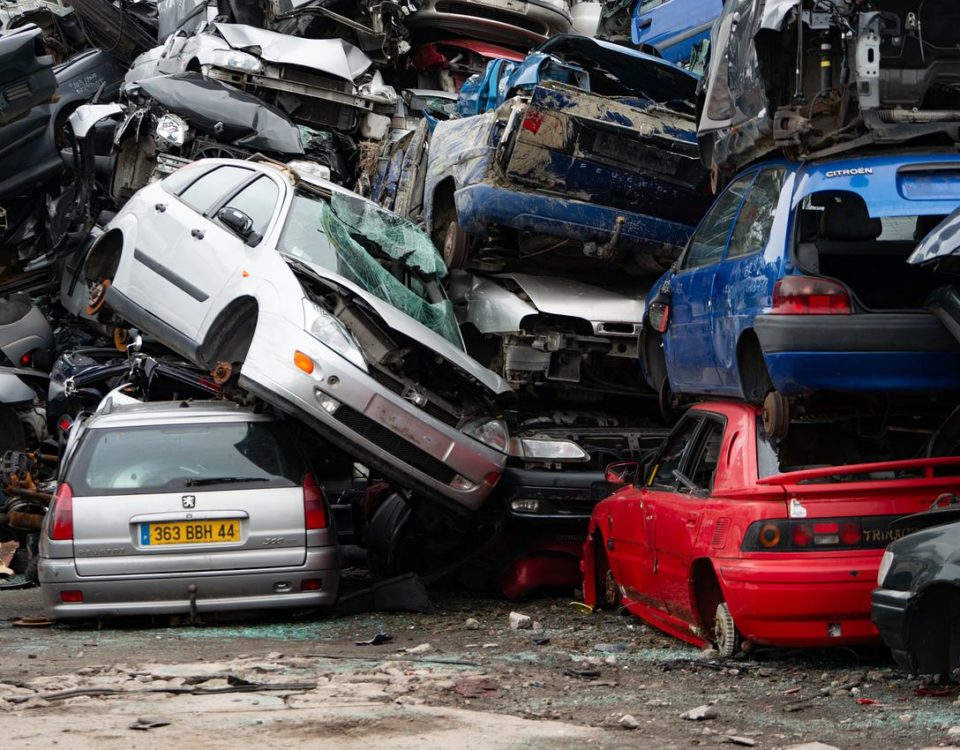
pixel 568 684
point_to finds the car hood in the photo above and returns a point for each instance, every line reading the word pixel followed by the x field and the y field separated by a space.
pixel 217 108
pixel 331 56
pixel 941 241
pixel 406 325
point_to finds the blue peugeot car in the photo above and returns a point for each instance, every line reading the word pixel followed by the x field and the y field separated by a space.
pixel 796 283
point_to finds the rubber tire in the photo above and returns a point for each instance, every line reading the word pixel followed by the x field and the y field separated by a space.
pixel 32 574
pixel 665 403
pixel 608 594
pixel 726 639
pixel 776 415
pixel 456 246
pixel 386 535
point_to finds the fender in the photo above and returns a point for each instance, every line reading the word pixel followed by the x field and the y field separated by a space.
pixel 13 391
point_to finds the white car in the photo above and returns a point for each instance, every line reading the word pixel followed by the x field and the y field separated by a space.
pixel 330 306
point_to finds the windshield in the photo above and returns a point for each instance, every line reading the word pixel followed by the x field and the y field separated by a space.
pixel 377 250
pixel 170 458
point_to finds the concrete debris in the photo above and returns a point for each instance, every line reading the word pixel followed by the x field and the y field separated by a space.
pixel 628 721
pixel 519 621
pixel 472 624
pixel 735 740
pixel 423 648
pixel 700 713
pixel 811 746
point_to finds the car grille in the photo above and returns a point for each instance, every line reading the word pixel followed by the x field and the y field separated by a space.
pixel 433 409
pixel 17 91
pixel 394 444
pixel 307 77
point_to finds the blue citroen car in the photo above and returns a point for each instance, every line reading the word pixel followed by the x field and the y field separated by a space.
pixel 796 282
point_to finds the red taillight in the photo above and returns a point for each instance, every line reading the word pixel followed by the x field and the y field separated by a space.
pixel 533 121
pixel 314 504
pixel 311 584
pixel 659 316
pixel 809 295
pixel 61 525
pixel 73 596
pixel 802 535
pixel 25 359
pixel 850 534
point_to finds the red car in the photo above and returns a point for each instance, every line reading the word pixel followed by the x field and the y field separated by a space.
pixel 736 539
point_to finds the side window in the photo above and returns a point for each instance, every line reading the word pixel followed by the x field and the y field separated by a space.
pixel 752 230
pixel 671 457
pixel 710 238
pixel 708 455
pixel 205 192
pixel 258 201
pixel 182 177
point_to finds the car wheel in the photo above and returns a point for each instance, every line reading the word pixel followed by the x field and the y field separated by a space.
pixel 665 402
pixel 98 296
pixel 32 573
pixel 776 415
pixel 456 245
pixel 726 639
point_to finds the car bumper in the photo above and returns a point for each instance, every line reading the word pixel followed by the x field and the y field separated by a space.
pixel 168 594
pixel 481 204
pixel 873 352
pixel 564 498
pixel 890 613
pixel 802 602
pixel 534 22
pixel 378 426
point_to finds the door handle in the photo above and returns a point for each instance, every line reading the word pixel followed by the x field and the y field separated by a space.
pixel 197 234
pixel 645 23
pixel 160 207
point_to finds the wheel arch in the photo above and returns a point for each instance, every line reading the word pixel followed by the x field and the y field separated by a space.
pixel 229 336
pixel 706 594
pixel 932 630
pixel 103 258
pixel 752 371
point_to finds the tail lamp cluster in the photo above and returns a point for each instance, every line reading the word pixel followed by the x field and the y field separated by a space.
pixel 810 295
pixel 781 535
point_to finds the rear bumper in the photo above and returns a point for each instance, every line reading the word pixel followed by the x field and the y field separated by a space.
pixel 168 594
pixel 802 602
pixel 874 352
pixel 480 205
pixel 890 613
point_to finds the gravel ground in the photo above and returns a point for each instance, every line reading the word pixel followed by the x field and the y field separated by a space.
pixel 477 684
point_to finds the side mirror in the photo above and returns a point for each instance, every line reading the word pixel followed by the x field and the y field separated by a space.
pixel 623 473
pixel 236 221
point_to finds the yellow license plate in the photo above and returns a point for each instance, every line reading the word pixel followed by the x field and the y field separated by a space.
pixel 190 532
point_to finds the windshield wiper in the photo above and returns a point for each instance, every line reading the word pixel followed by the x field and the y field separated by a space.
pixel 221 480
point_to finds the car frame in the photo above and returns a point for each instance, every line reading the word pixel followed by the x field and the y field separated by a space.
pixel 522 23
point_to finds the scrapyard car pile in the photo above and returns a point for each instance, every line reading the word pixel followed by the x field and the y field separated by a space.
pixel 474 266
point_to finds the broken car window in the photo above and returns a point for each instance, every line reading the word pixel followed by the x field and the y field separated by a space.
pixel 705 464
pixel 671 458
pixel 375 249
pixel 752 230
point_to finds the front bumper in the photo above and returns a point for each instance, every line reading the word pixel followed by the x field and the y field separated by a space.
pixel 482 204
pixel 564 497
pixel 803 601
pixel 867 352
pixel 891 615
pixel 373 423
pixel 168 594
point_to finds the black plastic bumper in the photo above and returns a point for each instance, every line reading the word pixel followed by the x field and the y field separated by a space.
pixel 890 612
pixel 563 496
pixel 861 332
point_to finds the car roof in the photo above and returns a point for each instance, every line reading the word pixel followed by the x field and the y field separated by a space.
pixel 172 412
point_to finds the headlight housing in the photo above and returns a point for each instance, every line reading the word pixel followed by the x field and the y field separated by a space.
pixel 491 432
pixel 885 564
pixel 172 130
pixel 328 330
pixel 552 449
pixel 235 60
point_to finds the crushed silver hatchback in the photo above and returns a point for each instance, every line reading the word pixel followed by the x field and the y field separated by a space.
pixel 168 508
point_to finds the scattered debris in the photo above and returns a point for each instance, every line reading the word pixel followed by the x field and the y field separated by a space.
pixel 700 713
pixel 423 648
pixel 376 640
pixel 472 624
pixel 520 621
pixel 628 721
pixel 147 722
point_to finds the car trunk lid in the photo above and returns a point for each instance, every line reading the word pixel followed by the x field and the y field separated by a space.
pixel 174 532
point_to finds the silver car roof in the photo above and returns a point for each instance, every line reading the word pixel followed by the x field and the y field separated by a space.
pixel 174 412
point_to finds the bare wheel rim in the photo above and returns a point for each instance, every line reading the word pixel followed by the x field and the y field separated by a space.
pixel 725 636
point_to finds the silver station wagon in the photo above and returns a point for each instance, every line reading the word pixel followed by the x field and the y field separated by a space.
pixel 172 508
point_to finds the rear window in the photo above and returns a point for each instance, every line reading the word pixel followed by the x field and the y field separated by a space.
pixel 194 457
pixel 838 443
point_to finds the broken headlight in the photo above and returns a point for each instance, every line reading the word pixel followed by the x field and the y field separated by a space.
pixel 328 330
pixel 886 562
pixel 172 130
pixel 239 62
pixel 493 432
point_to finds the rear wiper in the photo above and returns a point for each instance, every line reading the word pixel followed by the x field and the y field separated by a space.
pixel 221 480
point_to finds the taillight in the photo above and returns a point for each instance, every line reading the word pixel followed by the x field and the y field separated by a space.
pixel 314 503
pixel 809 295
pixel 810 535
pixel 659 316
pixel 61 523
pixel 25 359
pixel 532 121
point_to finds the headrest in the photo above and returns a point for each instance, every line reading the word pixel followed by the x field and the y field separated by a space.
pixel 809 222
pixel 925 224
pixel 845 218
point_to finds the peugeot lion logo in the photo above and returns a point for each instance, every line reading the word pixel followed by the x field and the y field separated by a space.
pixel 189 501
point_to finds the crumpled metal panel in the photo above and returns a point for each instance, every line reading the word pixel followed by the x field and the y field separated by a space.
pixel 216 108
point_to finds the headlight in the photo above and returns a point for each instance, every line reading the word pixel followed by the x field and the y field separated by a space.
pixel 548 449
pixel 885 562
pixel 173 130
pixel 232 59
pixel 328 330
pixel 493 433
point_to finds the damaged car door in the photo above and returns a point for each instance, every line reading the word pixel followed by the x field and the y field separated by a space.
pixel 26 73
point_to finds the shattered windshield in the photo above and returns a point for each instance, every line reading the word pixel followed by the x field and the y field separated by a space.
pixel 377 250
